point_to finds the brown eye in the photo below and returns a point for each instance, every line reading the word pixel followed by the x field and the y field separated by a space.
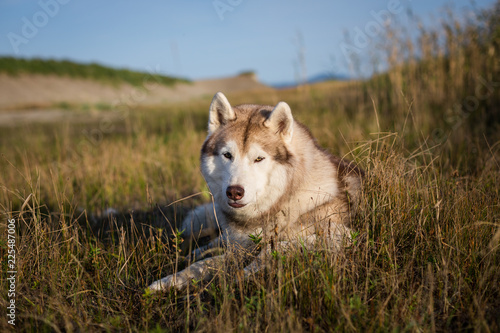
pixel 227 155
pixel 259 159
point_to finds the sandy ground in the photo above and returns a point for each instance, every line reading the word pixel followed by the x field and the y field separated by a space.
pixel 27 98
pixel 40 90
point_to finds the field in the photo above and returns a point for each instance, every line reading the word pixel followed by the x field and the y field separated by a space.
pixel 425 255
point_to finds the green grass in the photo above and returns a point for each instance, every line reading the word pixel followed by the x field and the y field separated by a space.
pixel 425 255
pixel 16 66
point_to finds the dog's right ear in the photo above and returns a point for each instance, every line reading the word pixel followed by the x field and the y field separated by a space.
pixel 221 112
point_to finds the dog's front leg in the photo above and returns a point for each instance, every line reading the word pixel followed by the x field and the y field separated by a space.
pixel 228 236
pixel 265 256
pixel 201 270
pixel 338 235
pixel 307 241
pixel 199 252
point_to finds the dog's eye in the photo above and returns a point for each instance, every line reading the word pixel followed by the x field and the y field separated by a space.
pixel 259 159
pixel 228 155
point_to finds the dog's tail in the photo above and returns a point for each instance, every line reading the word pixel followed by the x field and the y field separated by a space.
pixel 351 179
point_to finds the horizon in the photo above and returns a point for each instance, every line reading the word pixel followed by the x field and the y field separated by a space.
pixel 214 39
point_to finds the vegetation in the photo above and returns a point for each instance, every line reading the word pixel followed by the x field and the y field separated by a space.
pixel 425 255
pixel 17 66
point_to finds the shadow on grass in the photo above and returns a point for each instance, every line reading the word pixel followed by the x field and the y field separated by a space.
pixel 159 222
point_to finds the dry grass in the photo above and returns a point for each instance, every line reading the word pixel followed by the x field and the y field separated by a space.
pixel 425 256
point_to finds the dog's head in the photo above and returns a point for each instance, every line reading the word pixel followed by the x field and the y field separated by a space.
pixel 247 157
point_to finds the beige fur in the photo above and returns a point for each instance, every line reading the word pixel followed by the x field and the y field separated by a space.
pixel 267 176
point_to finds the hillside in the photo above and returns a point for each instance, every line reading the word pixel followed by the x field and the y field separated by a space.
pixel 26 84
pixel 16 66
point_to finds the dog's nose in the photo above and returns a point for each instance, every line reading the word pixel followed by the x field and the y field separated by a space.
pixel 235 192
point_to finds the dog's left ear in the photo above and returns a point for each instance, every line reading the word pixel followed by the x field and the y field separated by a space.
pixel 280 120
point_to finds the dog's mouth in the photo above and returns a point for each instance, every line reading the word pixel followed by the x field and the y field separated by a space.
pixel 236 205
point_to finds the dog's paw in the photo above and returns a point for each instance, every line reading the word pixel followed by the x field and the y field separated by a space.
pixel 172 281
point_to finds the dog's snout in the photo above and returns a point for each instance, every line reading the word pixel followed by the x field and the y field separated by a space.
pixel 235 192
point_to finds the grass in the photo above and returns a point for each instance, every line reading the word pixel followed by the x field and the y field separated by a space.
pixel 425 255
pixel 16 66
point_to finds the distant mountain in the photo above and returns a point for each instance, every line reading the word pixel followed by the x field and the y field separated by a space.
pixel 320 77
pixel 327 77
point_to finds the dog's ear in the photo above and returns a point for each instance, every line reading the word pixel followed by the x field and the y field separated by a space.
pixel 221 112
pixel 280 120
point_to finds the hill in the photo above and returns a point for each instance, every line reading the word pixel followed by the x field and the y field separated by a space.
pixel 35 83
pixel 65 68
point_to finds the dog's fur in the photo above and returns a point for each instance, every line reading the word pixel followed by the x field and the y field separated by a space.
pixel 268 177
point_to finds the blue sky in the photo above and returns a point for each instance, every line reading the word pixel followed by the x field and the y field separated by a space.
pixel 200 39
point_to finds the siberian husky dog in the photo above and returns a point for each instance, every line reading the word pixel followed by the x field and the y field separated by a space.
pixel 270 181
